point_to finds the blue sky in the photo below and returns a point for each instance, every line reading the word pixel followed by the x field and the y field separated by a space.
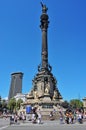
pixel 20 44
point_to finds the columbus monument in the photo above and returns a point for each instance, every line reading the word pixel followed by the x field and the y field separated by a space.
pixel 44 92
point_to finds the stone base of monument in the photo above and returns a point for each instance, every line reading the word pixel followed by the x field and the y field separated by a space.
pixel 46 98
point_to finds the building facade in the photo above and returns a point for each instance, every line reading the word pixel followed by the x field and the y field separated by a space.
pixel 84 104
pixel 20 96
pixel 16 84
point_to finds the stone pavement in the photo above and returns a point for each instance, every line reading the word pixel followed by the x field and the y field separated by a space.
pixel 45 125
pixel 48 123
pixel 4 122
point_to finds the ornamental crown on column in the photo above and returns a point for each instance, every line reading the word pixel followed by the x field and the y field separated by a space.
pixel 44 17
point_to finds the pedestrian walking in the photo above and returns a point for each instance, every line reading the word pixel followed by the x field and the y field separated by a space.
pixel 39 117
pixel 15 118
pixel 51 115
pixel 61 117
pixel 23 117
pixel 12 119
pixel 33 118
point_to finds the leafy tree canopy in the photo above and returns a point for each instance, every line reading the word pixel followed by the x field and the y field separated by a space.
pixel 19 103
pixel 76 103
pixel 12 104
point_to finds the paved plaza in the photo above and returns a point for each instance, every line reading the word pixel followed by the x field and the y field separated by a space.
pixel 46 125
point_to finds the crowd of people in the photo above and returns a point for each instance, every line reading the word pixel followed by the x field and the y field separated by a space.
pixel 35 117
pixel 67 117
pixel 70 117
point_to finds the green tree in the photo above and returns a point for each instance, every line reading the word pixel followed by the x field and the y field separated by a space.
pixel 18 103
pixel 12 104
pixel 4 103
pixel 76 103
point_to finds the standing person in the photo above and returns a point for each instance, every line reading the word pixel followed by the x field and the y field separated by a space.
pixel 20 116
pixel 51 115
pixel 33 118
pixel 67 118
pixel 39 117
pixel 23 117
pixel 85 115
pixel 15 118
pixel 61 117
pixel 12 119
pixel 80 118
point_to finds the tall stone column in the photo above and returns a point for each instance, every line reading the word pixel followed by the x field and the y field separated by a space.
pixel 44 27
